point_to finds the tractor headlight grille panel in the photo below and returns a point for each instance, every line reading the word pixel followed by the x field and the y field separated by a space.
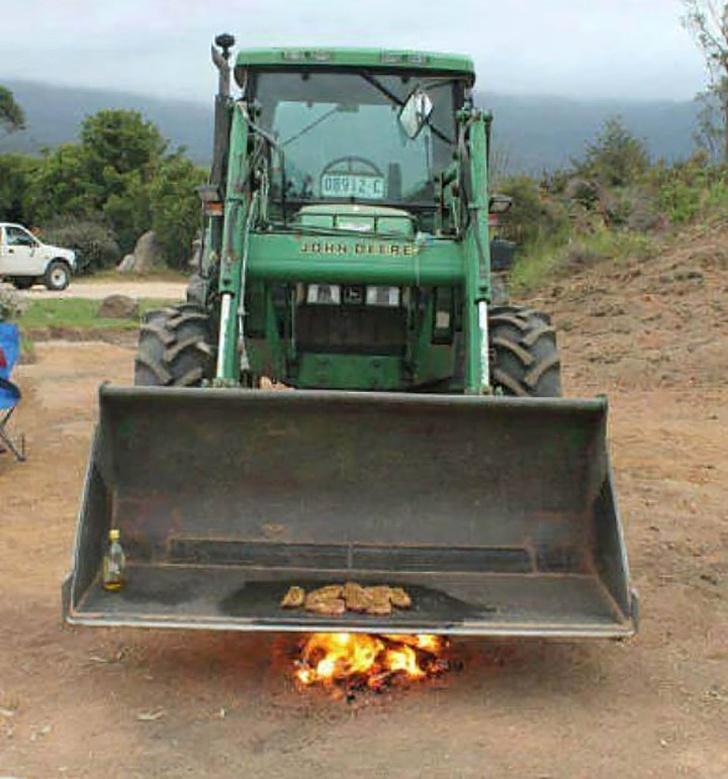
pixel 383 296
pixel 323 294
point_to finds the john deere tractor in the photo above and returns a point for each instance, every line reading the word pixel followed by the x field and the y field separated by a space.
pixel 410 430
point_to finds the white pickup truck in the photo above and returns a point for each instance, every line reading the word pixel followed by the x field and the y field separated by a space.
pixel 24 260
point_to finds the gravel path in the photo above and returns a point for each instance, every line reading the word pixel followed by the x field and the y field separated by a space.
pixel 98 290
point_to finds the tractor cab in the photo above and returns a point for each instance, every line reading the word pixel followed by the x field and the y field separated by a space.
pixel 354 128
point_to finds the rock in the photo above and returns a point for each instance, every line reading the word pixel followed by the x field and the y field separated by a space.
pixel 118 307
pixel 127 264
pixel 147 254
pixel 196 257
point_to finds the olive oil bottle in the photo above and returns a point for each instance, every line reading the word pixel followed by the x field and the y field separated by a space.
pixel 114 563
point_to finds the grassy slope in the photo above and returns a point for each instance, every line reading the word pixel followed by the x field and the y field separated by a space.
pixel 79 313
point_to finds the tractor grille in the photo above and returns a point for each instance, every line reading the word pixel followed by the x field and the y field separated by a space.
pixel 343 329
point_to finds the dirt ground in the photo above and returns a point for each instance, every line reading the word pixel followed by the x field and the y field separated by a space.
pixel 93 702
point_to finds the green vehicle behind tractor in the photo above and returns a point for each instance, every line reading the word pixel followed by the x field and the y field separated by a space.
pixel 419 437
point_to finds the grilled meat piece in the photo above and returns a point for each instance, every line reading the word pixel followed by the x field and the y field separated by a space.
pixel 379 591
pixel 328 591
pixel 294 598
pixel 336 599
pixel 399 597
pixel 333 607
pixel 379 607
pixel 357 597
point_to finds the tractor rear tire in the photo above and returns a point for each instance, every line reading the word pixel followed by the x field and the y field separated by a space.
pixel 175 348
pixel 525 359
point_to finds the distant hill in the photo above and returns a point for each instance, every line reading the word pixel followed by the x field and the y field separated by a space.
pixel 54 115
pixel 537 133
pixel 532 133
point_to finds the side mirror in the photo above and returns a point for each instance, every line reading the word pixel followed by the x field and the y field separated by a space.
pixel 499 204
pixel 415 113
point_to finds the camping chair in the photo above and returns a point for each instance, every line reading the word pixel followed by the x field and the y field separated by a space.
pixel 9 392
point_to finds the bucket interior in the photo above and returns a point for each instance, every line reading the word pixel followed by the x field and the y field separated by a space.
pixel 496 514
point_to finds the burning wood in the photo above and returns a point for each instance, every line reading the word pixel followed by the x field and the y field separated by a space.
pixel 355 661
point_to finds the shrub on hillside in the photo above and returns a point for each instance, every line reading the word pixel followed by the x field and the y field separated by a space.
pixel 690 189
pixel 535 214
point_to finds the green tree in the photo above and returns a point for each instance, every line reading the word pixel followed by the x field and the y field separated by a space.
pixel 11 114
pixel 16 174
pixel 109 173
pixel 615 158
pixel 119 177
pixel 123 152
pixel 128 211
pixel 175 207
pixel 707 22
pixel 117 143
pixel 62 185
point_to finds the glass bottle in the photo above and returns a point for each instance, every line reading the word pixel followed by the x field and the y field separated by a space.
pixel 114 563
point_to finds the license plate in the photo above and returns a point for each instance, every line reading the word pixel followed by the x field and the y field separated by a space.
pixel 352 185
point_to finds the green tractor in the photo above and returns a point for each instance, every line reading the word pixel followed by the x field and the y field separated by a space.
pixel 410 431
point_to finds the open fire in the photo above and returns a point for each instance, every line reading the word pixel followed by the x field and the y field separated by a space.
pixel 359 661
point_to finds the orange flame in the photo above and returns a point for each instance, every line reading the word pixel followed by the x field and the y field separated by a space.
pixel 335 657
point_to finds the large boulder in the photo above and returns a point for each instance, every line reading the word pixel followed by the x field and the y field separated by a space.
pixel 146 256
pixel 118 307
pixel 148 253
pixel 127 264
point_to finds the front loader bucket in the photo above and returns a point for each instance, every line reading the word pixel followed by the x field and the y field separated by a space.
pixel 497 515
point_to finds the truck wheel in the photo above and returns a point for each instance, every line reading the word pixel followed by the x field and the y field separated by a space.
pixel 57 276
pixel 524 356
pixel 174 348
pixel 23 282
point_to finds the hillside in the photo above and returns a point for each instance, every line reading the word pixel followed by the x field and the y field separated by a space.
pixel 531 133
pixel 539 132
pixel 645 324
pixel 54 115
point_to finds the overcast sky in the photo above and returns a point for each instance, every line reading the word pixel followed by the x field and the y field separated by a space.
pixel 599 48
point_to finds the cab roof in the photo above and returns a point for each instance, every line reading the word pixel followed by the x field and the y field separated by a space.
pixel 377 59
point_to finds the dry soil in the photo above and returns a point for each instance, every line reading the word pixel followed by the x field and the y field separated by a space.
pixel 115 703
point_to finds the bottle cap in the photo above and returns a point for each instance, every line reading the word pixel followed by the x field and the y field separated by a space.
pixel 114 534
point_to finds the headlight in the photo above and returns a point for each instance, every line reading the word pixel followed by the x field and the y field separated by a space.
pixel 383 296
pixel 323 294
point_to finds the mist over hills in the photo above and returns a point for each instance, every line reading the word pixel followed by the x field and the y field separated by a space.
pixel 531 133
pixel 536 133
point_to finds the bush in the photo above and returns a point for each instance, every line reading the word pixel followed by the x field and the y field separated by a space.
pixel 11 304
pixel 690 189
pixel 543 260
pixel 535 216
pixel 94 242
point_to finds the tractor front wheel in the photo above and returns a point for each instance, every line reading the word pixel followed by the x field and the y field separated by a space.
pixel 174 348
pixel 524 357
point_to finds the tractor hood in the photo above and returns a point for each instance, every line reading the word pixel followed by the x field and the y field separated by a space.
pixel 365 219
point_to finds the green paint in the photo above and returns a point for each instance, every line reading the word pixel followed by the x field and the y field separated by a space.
pixel 350 372
pixel 267 262
pixel 326 57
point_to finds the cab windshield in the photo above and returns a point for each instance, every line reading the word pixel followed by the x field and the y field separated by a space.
pixel 343 141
